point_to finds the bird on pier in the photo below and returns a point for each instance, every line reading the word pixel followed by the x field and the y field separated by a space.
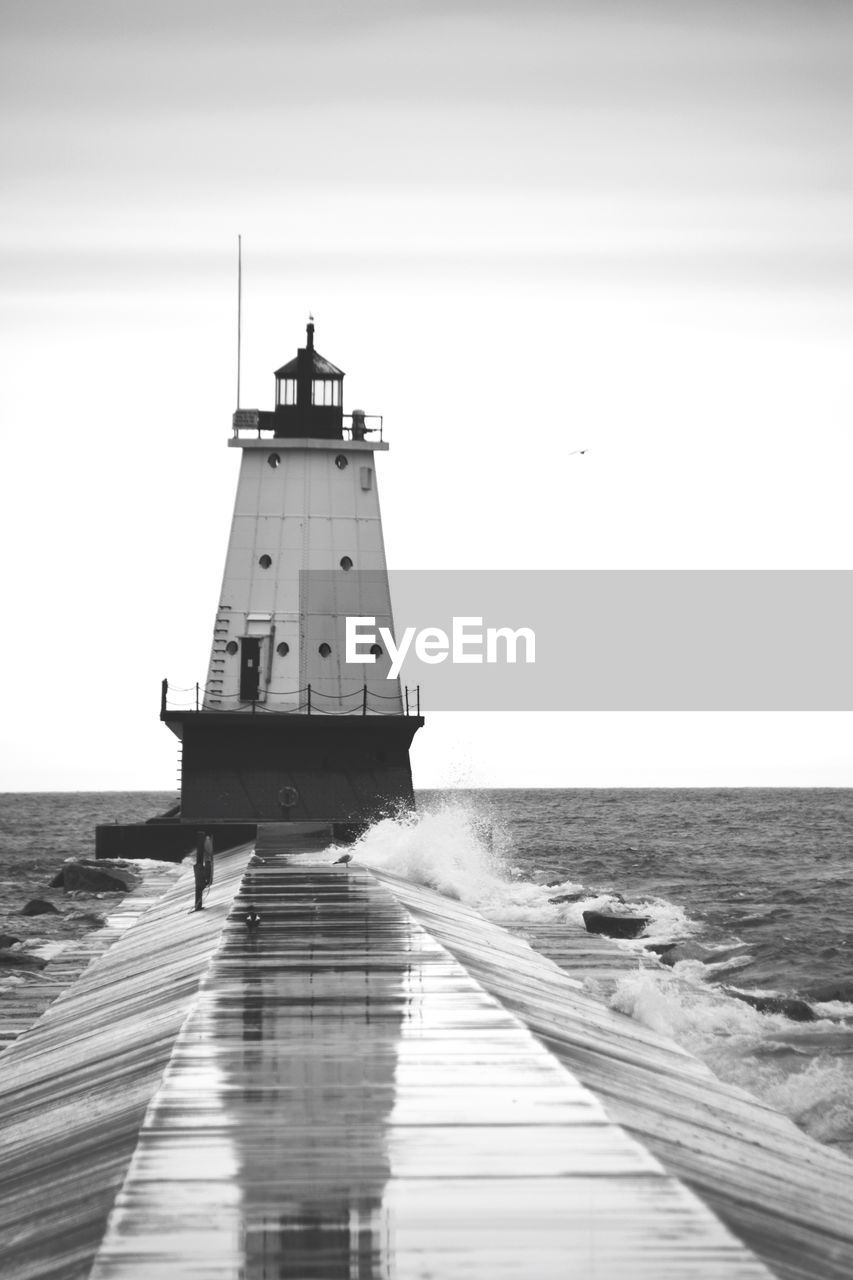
pixel 345 858
pixel 253 920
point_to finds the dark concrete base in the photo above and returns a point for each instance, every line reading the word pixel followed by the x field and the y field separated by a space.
pixel 293 768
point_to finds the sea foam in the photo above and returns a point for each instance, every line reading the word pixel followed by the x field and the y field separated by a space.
pixel 460 851
pixel 793 1068
pixel 457 849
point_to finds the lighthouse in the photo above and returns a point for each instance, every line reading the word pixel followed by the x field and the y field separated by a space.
pixel 284 729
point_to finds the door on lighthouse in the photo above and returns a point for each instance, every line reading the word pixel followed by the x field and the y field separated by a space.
pixel 250 668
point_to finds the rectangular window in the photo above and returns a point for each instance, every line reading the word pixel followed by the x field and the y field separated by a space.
pixel 325 391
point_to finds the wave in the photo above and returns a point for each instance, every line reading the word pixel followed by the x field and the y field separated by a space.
pixel 464 854
pixel 804 1073
pixel 459 850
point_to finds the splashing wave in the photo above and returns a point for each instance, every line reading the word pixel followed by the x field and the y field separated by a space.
pixel 804 1071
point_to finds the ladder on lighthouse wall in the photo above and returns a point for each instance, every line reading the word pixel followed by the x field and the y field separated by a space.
pixel 215 690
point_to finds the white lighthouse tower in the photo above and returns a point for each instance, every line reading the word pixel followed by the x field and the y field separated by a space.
pixel 285 729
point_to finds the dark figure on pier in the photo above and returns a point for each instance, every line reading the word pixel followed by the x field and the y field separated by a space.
pixel 252 920
pixel 200 869
pixel 208 860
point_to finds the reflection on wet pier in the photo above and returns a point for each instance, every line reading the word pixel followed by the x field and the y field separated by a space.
pixel 345 1101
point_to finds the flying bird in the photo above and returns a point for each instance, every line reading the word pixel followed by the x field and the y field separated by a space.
pixel 572 452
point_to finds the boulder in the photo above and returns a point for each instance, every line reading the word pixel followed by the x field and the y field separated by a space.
pixel 39 907
pixel 95 877
pixel 614 926
pixel 21 960
pixel 570 897
pixel 673 952
pixel 88 919
pixel 792 1007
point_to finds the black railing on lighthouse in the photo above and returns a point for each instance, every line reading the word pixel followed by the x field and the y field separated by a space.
pixel 255 423
pixel 308 701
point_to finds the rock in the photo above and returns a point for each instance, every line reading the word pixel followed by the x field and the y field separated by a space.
pixel 676 951
pixel 98 878
pixel 662 949
pixel 21 960
pixel 793 1008
pixel 613 926
pixel 90 919
pixel 7 940
pixel 570 897
pixel 39 907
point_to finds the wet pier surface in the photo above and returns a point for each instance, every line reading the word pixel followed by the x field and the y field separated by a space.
pixel 789 1198
pixel 75 1086
pixel 345 1101
pixel 356 1092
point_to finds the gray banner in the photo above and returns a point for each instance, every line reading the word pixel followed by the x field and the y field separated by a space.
pixel 617 640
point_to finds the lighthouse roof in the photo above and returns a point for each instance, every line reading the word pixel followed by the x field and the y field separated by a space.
pixel 320 367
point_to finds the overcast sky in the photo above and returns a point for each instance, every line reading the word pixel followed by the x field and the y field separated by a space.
pixel 523 229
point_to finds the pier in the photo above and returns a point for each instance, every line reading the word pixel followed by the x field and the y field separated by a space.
pixel 379 1083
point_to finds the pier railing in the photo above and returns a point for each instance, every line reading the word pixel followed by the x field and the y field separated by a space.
pixel 305 701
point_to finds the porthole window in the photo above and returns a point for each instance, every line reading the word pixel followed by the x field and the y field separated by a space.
pixel 265 562
pixel 346 564
pixel 376 650
pixel 274 460
pixel 341 461
pixel 282 649
pixel 232 647
pixel 324 650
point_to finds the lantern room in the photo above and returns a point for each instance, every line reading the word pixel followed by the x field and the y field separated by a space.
pixel 309 395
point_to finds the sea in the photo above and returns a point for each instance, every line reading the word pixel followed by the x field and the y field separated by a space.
pixel 748 893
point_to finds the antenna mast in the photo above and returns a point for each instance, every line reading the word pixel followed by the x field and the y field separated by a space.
pixel 239 309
